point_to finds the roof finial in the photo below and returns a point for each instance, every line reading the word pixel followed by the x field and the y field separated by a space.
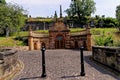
pixel 55 16
pixel 60 11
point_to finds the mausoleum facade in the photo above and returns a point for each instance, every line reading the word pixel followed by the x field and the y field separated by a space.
pixel 59 37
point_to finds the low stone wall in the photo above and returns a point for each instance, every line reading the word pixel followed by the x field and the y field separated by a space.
pixel 18 48
pixel 8 60
pixel 109 56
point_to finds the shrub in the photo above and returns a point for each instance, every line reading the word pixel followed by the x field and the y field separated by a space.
pixel 23 41
pixel 103 40
pixel 117 43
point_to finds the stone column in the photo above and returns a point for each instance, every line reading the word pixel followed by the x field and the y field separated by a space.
pixel 30 39
pixel 52 43
pixel 89 42
pixel 39 45
pixel 31 44
pixel 89 47
pixel 67 43
pixel 51 40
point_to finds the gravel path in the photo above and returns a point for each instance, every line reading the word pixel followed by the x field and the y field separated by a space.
pixel 61 65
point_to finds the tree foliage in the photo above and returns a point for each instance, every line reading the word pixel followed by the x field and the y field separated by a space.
pixel 104 22
pixel 11 18
pixel 81 8
pixel 2 2
pixel 118 15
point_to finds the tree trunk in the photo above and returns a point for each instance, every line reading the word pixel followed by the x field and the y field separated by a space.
pixel 78 13
pixel 7 32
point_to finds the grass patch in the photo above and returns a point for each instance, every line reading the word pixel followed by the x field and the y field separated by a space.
pixel 25 33
pixel 75 30
pixel 9 41
pixel 43 31
pixel 99 31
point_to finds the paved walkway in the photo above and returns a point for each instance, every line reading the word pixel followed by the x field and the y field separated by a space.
pixel 61 65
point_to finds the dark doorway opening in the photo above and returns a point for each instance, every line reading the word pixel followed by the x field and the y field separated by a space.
pixel 59 42
pixel 76 44
pixel 35 46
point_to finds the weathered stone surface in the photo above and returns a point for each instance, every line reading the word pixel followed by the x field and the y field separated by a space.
pixel 1 70
pixel 8 60
pixel 108 56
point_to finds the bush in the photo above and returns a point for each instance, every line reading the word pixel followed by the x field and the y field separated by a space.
pixel 24 40
pixel 117 43
pixel 109 25
pixel 103 40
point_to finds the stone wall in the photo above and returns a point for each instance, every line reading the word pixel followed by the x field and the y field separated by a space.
pixel 8 60
pixel 18 48
pixel 109 56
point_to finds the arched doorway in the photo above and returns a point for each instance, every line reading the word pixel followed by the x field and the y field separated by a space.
pixel 35 45
pixel 59 42
pixel 76 44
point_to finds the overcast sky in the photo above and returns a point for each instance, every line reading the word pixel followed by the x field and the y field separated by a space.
pixel 46 8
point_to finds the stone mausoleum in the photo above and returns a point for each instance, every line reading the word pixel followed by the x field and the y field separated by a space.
pixel 60 37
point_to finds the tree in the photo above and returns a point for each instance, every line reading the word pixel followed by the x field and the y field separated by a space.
pixel 2 2
pixel 11 18
pixel 81 8
pixel 118 16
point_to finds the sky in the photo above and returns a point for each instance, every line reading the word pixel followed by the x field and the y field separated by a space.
pixel 44 8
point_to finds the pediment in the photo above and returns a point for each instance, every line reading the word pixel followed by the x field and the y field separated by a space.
pixel 59 26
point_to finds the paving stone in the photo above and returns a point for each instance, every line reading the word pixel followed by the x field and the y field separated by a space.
pixel 61 64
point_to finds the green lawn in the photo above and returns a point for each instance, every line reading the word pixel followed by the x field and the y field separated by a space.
pixel 74 30
pixel 97 31
pixel 9 41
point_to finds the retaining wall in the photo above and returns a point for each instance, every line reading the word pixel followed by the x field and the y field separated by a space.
pixel 109 56
pixel 8 60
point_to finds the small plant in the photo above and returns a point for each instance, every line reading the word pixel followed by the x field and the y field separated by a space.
pixel 117 43
pixel 103 40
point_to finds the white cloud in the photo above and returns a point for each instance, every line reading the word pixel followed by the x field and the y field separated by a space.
pixel 36 2
pixel 44 7
pixel 106 7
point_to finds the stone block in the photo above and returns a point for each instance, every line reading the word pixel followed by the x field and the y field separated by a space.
pixel 1 69
pixel 107 55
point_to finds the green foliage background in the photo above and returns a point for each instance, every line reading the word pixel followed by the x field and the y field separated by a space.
pixel 11 18
pixel 118 16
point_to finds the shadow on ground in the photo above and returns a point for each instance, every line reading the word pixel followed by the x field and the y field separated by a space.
pixel 31 78
pixel 88 61
pixel 101 68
